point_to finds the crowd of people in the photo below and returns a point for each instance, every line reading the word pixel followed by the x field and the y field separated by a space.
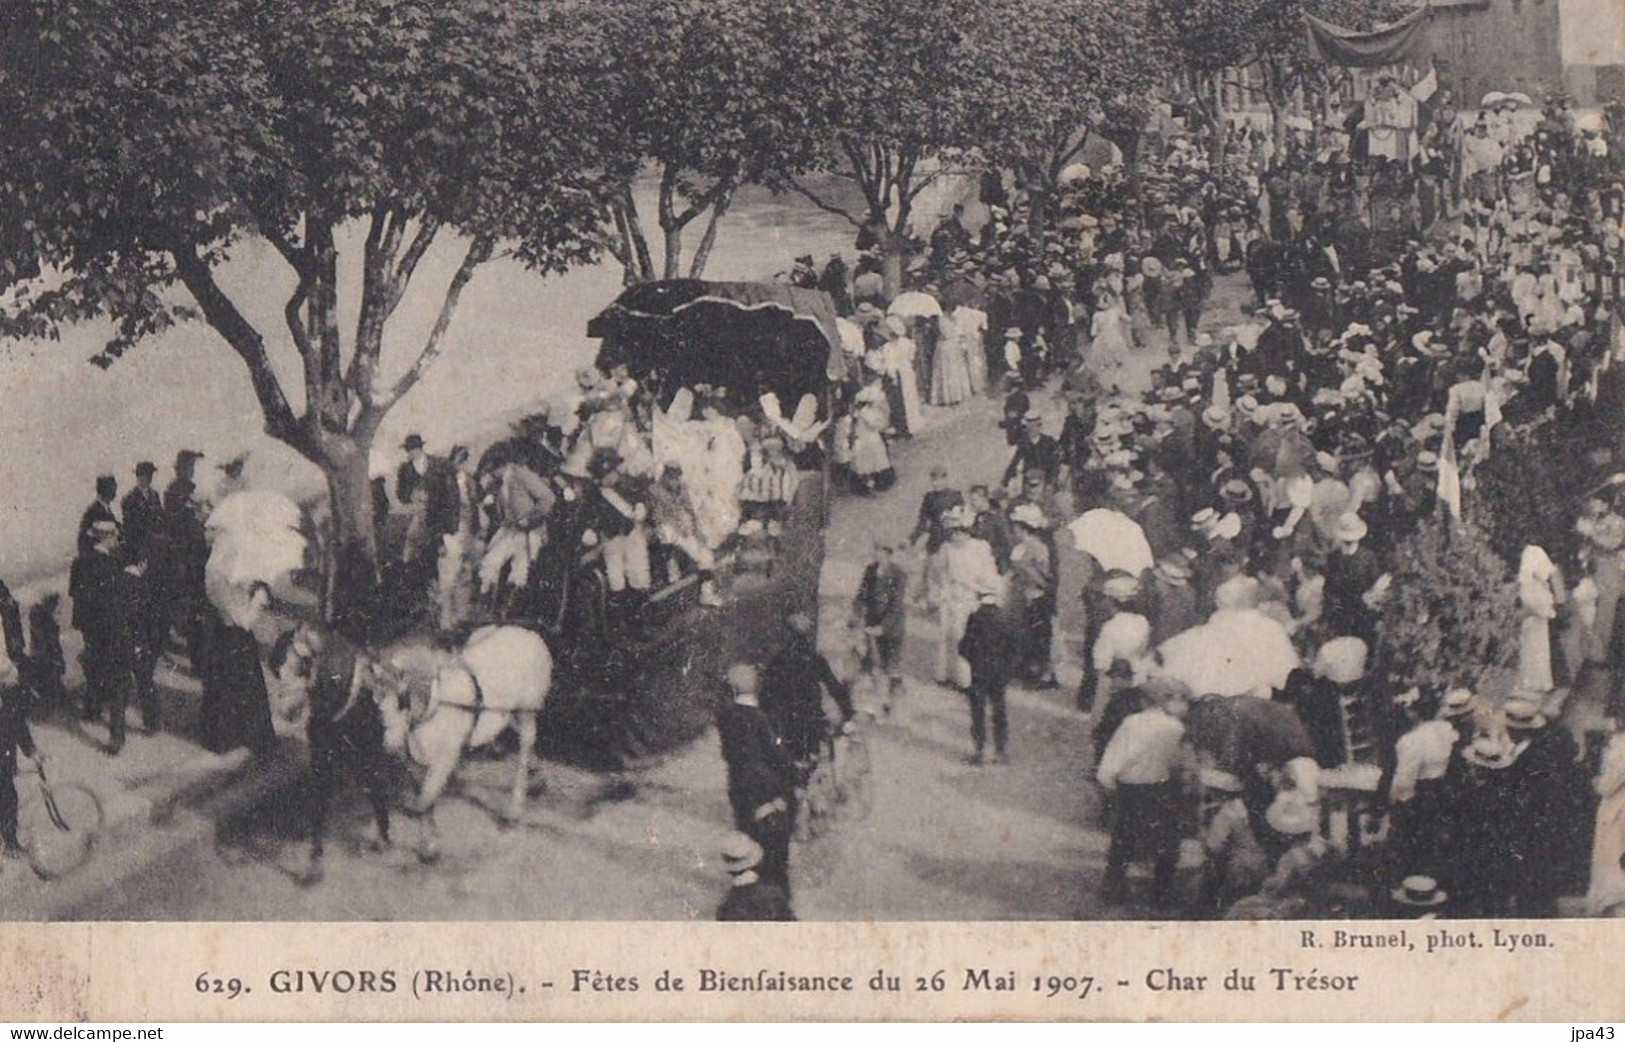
pixel 1433 346
pixel 594 502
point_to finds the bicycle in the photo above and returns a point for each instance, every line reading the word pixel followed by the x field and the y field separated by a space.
pixel 57 826
pixel 836 785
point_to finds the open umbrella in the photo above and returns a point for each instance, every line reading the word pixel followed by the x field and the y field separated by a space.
pixel 1235 652
pixel 1493 98
pixel 255 510
pixel 243 560
pixel 1240 733
pixel 1116 541
pixel 1520 98
pixel 256 538
pixel 915 304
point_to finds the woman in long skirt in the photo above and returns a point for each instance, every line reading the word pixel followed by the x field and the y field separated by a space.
pixel 236 708
pixel 950 366
pixel 1606 895
pixel 869 457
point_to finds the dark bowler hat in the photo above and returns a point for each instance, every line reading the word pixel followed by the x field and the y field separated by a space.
pixel 145 469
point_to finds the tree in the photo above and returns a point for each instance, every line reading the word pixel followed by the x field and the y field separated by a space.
pixel 1052 73
pixel 888 87
pixel 1212 39
pixel 693 92
pixel 1452 617
pixel 160 135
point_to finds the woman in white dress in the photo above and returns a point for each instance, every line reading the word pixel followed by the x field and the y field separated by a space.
pixel 950 369
pixel 714 473
pixel 1109 338
pixel 1606 894
pixel 865 438
pixel 1538 588
pixel 897 364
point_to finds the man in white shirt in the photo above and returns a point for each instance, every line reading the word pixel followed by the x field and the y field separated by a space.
pixel 1422 759
pixel 1141 768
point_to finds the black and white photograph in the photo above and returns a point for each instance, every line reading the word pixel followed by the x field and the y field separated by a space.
pixel 812 460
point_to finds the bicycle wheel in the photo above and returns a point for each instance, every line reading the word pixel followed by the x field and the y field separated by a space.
pixel 62 830
pixel 817 806
pixel 855 766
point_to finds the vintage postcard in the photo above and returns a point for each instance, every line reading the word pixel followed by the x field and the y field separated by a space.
pixel 1038 510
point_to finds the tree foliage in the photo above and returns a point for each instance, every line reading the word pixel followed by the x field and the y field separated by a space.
pixel 1051 73
pixel 160 134
pixel 692 90
pixel 890 88
pixel 1452 618
pixel 1208 39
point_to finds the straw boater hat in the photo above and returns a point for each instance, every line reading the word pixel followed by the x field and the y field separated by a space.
pixel 1121 587
pixel 1236 491
pixel 741 854
pixel 1029 516
pixel 1492 752
pixel 1457 701
pixel 1419 892
pixel 1523 714
pixel 1175 571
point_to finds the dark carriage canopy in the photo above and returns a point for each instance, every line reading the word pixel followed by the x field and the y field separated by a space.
pixel 749 337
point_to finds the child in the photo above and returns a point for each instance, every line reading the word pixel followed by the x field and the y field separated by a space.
pixel 881 611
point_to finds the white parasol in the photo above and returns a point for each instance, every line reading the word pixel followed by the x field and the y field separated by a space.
pixel 1492 99
pixel 1520 98
pixel 255 510
pixel 257 538
pixel 1114 540
pixel 915 304
pixel 1236 652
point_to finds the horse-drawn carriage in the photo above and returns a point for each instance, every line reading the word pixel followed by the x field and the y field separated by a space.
pixel 624 692
pixel 573 678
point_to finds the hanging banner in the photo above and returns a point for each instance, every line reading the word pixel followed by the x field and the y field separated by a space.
pixel 1406 41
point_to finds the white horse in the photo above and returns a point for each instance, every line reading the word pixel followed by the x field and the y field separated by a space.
pixel 465 699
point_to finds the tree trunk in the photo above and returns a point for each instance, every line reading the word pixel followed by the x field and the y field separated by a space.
pixel 1039 191
pixel 350 555
pixel 892 249
pixel 1129 143
pixel 702 253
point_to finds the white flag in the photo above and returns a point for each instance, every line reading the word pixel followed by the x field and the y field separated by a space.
pixel 1427 86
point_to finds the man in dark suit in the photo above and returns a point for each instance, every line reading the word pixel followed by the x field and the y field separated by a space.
pixel 186 546
pixel 143 510
pixel 101 614
pixel 794 685
pixel 988 646
pixel 761 775
pixel 101 509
